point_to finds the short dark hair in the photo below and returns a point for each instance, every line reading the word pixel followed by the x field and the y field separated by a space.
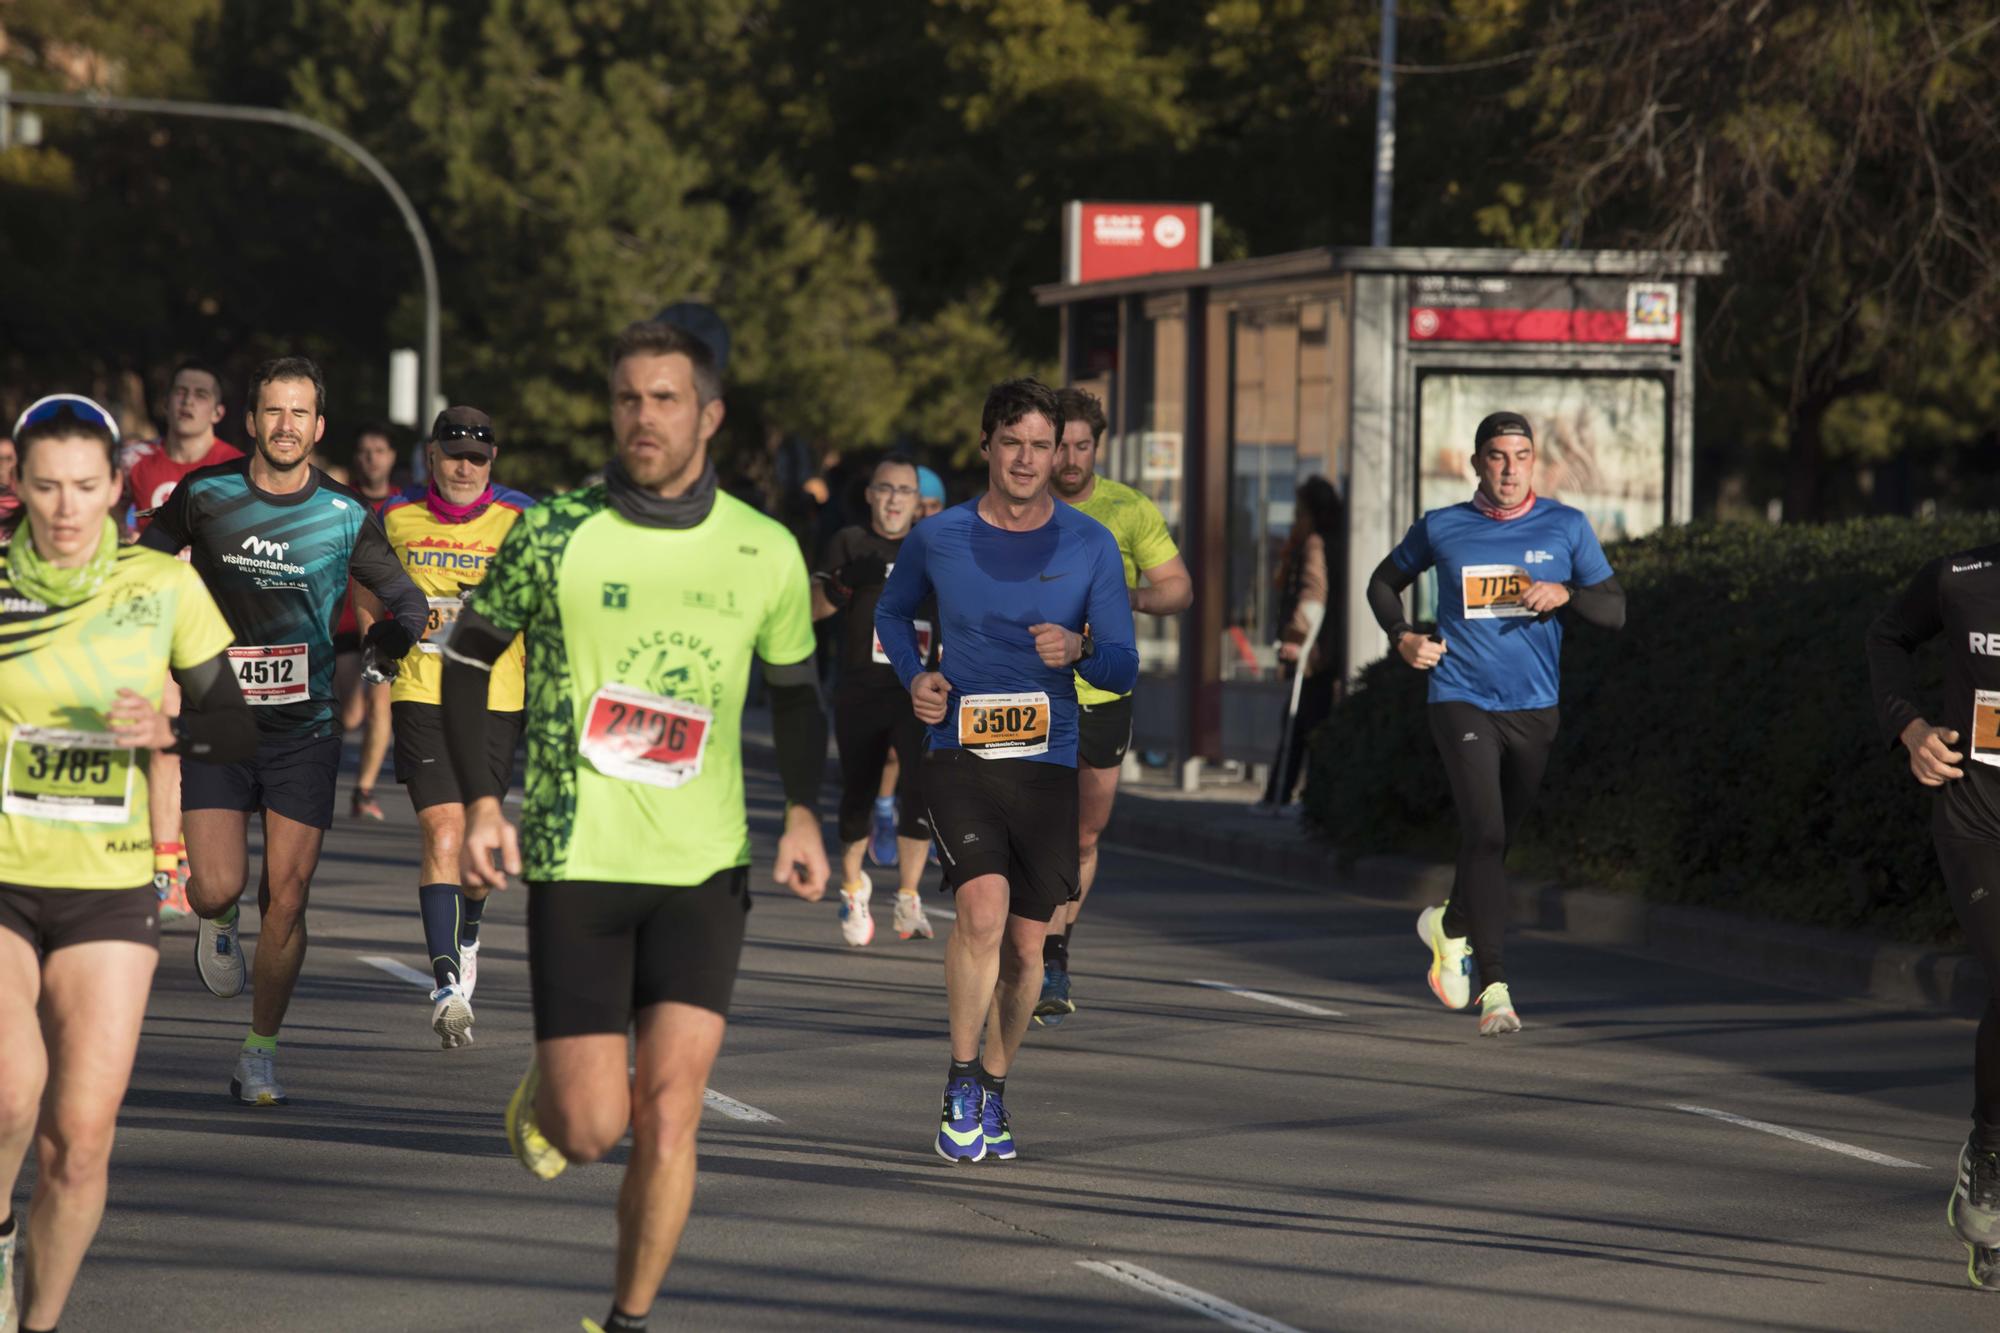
pixel 651 337
pixel 66 424
pixel 382 428
pixel 1082 405
pixel 196 363
pixel 1010 400
pixel 289 368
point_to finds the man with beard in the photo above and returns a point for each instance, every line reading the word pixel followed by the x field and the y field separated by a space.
pixel 276 540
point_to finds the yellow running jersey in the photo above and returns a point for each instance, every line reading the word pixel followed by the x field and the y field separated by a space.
pixel 73 811
pixel 1143 543
pixel 443 560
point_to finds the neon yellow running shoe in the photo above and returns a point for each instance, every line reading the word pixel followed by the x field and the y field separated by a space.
pixel 1451 960
pixel 1496 1011
pixel 524 1136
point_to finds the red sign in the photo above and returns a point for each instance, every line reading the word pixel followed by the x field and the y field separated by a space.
pixel 1103 241
pixel 1507 308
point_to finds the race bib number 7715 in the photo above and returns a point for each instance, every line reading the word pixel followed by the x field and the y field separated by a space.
pixel 1493 592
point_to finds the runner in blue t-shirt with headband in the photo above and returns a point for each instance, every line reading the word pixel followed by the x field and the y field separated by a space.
pixel 1507 562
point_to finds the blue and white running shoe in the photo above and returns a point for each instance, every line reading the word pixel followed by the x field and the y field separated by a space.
pixel 882 836
pixel 999 1134
pixel 961 1131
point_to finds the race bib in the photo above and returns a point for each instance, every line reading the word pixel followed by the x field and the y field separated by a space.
pixel 1004 726
pixel 444 614
pixel 639 736
pixel 81 776
pixel 1493 592
pixel 923 629
pixel 272 673
pixel 1985 746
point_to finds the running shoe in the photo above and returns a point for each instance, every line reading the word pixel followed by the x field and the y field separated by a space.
pixel 993 1123
pixel 468 968
pixel 882 834
pixel 910 918
pixel 451 1016
pixel 1496 1011
pixel 1974 1209
pixel 218 957
pixel 255 1082
pixel 10 1318
pixel 1055 1004
pixel 1983 1267
pixel 857 927
pixel 365 806
pixel 961 1135
pixel 172 891
pixel 524 1136
pixel 1451 960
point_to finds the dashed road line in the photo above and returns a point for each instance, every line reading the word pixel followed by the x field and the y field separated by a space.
pixel 1799 1136
pixel 1283 1002
pixel 401 971
pixel 1192 1298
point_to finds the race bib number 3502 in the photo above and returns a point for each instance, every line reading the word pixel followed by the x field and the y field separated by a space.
pixel 81 776
pixel 1004 726
pixel 1985 745
pixel 274 673
pixel 1493 592
pixel 640 736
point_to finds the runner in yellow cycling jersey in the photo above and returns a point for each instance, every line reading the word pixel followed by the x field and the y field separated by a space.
pixel 88 633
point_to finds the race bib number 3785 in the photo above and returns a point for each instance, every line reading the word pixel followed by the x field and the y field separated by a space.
pixel 79 776
pixel 640 736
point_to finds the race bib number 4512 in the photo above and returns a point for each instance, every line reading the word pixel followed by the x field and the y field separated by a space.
pixel 1004 726
pixel 640 736
pixel 272 673
pixel 1493 592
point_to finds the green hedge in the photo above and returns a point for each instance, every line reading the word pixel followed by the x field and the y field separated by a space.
pixel 1720 750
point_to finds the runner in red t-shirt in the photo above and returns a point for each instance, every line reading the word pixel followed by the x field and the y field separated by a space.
pixel 152 469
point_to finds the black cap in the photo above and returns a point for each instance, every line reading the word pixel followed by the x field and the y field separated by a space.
pixel 459 431
pixel 1499 424
pixel 700 321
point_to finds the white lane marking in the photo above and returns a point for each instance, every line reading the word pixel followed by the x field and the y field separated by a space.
pixel 1221 1311
pixel 1799 1136
pixel 1279 1000
pixel 401 971
pixel 736 1110
pixel 729 1106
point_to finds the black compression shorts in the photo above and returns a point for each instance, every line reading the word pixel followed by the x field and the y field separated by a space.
pixel 1012 817
pixel 424 765
pixel 51 919
pixel 1104 732
pixel 599 953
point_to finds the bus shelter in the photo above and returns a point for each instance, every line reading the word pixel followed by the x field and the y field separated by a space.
pixel 1227 386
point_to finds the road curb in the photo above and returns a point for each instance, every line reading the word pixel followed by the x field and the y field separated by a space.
pixel 1832 962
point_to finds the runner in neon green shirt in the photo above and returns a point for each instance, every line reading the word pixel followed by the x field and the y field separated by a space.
pixel 1160 586
pixel 641 602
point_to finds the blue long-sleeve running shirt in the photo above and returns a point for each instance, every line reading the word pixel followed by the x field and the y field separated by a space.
pixel 991 585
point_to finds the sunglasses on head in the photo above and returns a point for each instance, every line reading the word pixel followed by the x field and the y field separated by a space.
pixel 454 430
pixel 75 404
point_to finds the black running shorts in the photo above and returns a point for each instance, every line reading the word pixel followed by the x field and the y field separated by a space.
pixel 599 953
pixel 50 919
pixel 290 775
pixel 424 766
pixel 1103 732
pixel 1012 817
pixel 868 723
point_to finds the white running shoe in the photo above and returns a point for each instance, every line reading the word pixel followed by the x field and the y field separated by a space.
pixel 218 958
pixel 1496 1011
pixel 10 1318
pixel 857 927
pixel 255 1082
pixel 910 918
pixel 451 1016
pixel 1451 960
pixel 468 968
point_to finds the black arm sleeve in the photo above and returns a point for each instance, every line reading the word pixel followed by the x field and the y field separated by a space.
pixel 375 567
pixel 475 644
pixel 1601 604
pixel 172 524
pixel 1911 620
pixel 1385 596
pixel 215 724
pixel 798 728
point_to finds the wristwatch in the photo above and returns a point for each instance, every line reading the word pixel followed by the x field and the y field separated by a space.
pixel 1088 647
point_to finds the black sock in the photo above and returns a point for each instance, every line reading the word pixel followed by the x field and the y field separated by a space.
pixel 1055 951
pixel 620 1322
pixel 966 1069
pixel 439 905
pixel 7 1227
pixel 470 910
pixel 995 1085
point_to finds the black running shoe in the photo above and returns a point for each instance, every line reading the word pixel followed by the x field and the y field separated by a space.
pixel 1974 1210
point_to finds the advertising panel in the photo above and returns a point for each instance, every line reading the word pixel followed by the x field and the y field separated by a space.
pixel 1541 307
pixel 1103 241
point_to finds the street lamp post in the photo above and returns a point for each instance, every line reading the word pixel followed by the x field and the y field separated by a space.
pixel 291 120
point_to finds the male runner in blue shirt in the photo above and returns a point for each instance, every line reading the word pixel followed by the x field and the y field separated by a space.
pixel 1028 592
pixel 1507 561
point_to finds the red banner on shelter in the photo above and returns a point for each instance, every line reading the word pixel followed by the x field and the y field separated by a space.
pixel 1103 241
pixel 1505 308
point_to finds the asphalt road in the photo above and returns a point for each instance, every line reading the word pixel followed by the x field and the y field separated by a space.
pixel 1191 1157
